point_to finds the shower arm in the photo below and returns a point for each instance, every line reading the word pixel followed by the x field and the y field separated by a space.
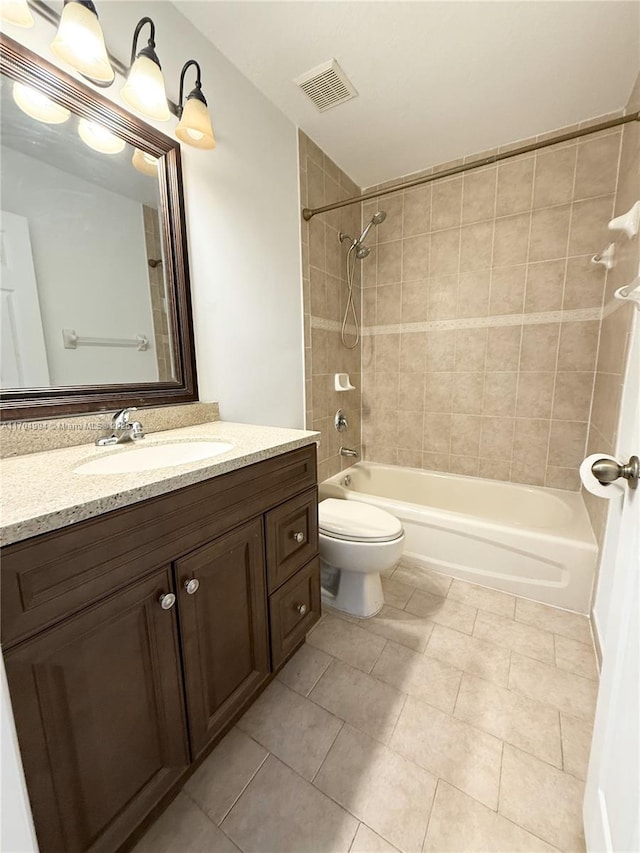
pixel 308 213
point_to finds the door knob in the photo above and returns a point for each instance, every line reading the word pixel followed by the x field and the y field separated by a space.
pixel 167 600
pixel 192 586
pixel 606 471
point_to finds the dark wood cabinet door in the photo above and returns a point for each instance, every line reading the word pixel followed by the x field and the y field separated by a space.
pixel 224 629
pixel 100 719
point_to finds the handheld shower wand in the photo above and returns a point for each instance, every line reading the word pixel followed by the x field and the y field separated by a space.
pixel 357 251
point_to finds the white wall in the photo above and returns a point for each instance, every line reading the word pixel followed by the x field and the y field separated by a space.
pixel 242 206
pixel 91 269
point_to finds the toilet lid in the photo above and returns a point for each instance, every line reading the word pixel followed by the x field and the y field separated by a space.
pixel 355 521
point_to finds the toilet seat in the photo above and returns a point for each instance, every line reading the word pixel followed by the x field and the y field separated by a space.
pixel 353 521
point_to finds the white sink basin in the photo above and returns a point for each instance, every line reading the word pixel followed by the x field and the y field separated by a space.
pixel 154 456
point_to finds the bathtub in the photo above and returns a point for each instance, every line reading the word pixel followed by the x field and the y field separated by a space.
pixel 530 541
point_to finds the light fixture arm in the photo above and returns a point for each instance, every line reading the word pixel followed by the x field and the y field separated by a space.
pixel 148 51
pixel 195 93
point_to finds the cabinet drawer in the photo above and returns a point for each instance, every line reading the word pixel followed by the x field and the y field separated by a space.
pixel 293 610
pixel 292 537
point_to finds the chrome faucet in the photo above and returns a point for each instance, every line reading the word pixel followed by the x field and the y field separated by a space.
pixel 122 429
pixel 346 451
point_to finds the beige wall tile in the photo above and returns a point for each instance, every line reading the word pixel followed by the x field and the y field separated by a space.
pixel 578 346
pixel 445 247
pixel 479 195
pixel 473 293
pixel 497 438
pixel 572 398
pixel 468 389
pixel 500 390
pixel 567 443
pixel 554 176
pixel 511 240
pixel 470 349
pixel 535 395
pixel 446 204
pixel 589 233
pixel 503 348
pixel 545 285
pixel 507 290
pixel 415 258
pixel 417 211
pixel 597 166
pixel 475 246
pixel 539 347
pixel 549 233
pixel 390 262
pixel 515 183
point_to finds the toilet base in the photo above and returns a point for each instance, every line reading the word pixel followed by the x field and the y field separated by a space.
pixel 357 593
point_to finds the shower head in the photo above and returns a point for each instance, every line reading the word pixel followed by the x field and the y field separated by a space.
pixel 362 252
pixel 377 219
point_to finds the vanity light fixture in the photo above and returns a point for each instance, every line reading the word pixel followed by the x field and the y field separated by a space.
pixel 145 163
pixel 194 127
pixel 80 42
pixel 144 89
pixel 16 12
pixel 38 106
pixel 97 136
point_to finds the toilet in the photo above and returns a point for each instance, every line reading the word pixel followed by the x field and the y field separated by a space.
pixel 357 542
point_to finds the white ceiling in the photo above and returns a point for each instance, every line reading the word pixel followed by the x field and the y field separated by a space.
pixel 436 80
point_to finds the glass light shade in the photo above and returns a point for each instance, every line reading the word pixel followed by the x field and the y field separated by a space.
pixel 80 43
pixel 145 163
pixel 38 106
pixel 99 138
pixel 16 12
pixel 144 90
pixel 194 127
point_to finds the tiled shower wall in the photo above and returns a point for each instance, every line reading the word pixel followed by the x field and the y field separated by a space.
pixel 482 312
pixel 325 292
pixel 616 323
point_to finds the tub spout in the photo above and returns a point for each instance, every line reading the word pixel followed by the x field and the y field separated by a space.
pixel 346 451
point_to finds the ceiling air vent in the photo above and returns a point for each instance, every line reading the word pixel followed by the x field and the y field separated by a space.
pixel 326 85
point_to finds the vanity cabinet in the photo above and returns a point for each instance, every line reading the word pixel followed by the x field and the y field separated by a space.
pixel 224 633
pixel 134 640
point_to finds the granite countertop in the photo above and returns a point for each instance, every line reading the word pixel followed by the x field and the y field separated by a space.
pixel 41 491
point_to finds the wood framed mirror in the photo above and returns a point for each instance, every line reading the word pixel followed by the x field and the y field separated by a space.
pixel 96 304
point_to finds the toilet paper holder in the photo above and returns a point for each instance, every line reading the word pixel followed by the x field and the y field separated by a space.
pixel 606 471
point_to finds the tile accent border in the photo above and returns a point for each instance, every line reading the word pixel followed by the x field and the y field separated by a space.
pixel 576 315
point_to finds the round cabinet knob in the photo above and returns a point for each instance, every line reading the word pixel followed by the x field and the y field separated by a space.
pixel 302 609
pixel 299 536
pixel 167 600
pixel 192 586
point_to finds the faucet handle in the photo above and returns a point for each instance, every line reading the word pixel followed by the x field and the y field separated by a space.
pixel 121 418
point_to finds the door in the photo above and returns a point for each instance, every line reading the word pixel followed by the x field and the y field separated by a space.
pixel 223 621
pixel 100 720
pixel 23 357
pixel 612 797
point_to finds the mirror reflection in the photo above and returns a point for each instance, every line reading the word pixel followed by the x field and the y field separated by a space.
pixel 83 290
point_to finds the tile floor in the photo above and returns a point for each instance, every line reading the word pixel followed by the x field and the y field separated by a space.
pixel 458 719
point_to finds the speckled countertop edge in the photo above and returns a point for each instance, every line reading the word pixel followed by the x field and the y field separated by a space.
pixel 41 491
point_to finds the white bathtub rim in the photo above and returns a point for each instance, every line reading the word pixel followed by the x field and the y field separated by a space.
pixel 412 510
